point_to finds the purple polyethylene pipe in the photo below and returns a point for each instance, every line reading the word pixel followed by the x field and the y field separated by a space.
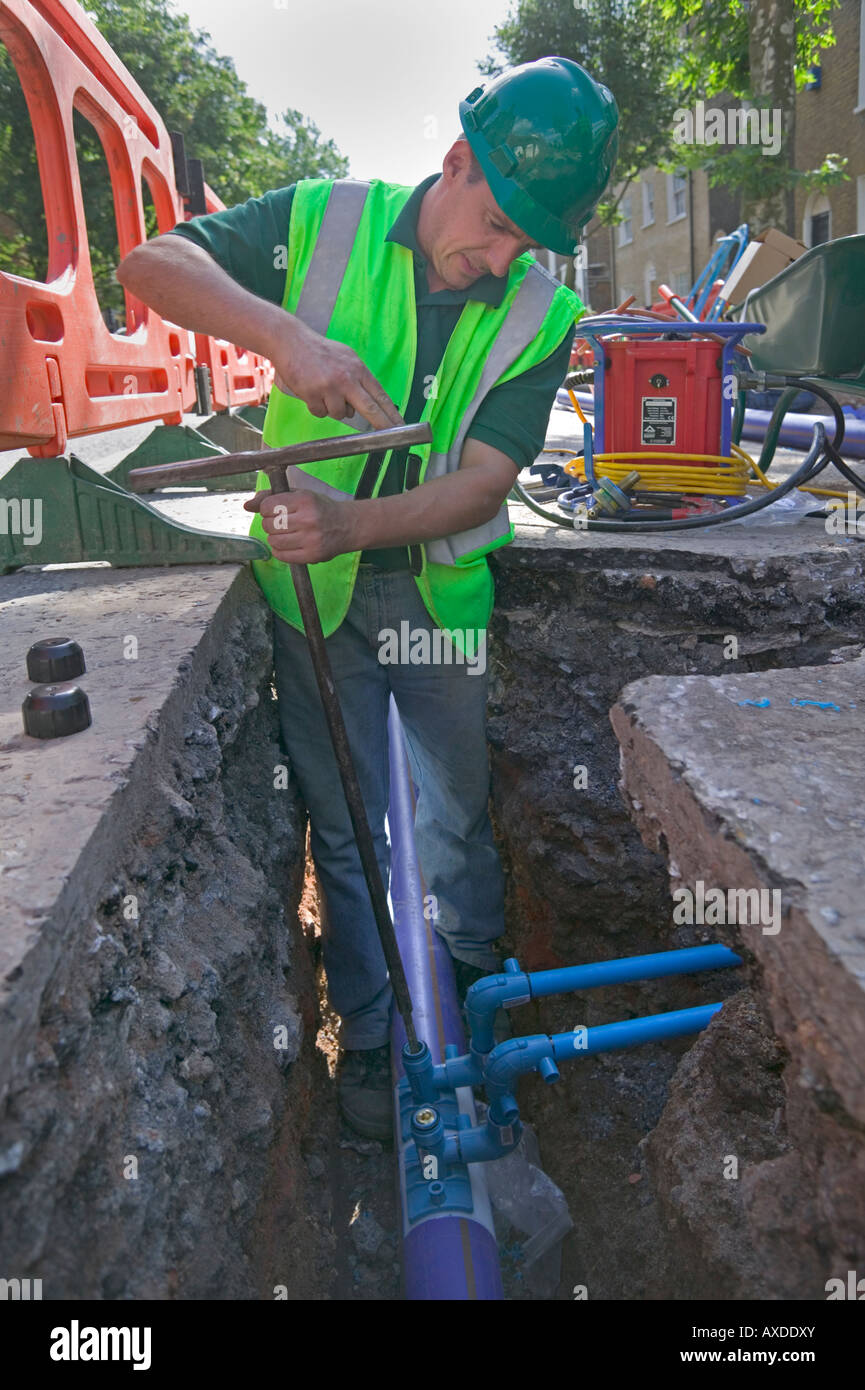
pixel 445 1256
pixel 797 431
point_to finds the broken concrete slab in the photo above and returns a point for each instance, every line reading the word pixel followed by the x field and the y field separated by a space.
pixel 157 1005
pixel 574 624
pixel 751 783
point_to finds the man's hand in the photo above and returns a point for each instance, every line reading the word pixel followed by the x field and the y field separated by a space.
pixel 329 377
pixel 304 527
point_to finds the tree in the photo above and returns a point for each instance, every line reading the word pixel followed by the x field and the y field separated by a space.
pixel 656 56
pixel 758 52
pixel 196 91
pixel 622 44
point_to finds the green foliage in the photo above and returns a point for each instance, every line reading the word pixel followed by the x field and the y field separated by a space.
pixel 196 91
pixel 758 177
pixel 713 61
pixel 23 237
pixel 713 55
pixel 658 56
pixel 624 45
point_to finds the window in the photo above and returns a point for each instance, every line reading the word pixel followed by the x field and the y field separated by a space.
pixel 626 226
pixel 648 201
pixel 677 186
pixel 819 228
pixel 817 220
pixel 682 283
pixel 650 275
pixel 860 104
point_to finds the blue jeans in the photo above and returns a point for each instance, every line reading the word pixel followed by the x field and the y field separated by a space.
pixel 442 706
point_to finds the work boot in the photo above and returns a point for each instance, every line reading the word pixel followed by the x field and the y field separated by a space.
pixel 365 1092
pixel 467 975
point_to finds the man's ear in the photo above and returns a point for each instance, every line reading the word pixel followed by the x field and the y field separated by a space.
pixel 458 161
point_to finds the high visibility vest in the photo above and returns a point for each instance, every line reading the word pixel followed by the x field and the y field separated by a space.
pixel 347 282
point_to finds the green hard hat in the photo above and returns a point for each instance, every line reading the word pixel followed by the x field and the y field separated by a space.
pixel 546 136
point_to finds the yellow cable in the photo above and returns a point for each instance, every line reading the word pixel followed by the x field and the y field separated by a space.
pixel 662 472
pixel 679 473
pixel 765 482
pixel 658 473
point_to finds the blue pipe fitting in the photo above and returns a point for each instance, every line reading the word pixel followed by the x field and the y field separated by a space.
pixel 464 1070
pixel 548 1070
pixel 484 1143
pixel 419 1068
pixel 511 1060
pixel 436 1185
pixel 428 1132
pixel 489 994
pixel 436 1178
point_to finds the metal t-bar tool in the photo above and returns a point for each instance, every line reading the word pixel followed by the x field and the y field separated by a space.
pixel 274 463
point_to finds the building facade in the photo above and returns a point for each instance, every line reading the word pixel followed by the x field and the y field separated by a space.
pixel 671 221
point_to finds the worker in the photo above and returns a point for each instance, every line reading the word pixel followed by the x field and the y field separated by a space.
pixel 379 303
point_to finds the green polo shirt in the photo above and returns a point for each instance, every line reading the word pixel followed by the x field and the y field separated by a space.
pixel 246 240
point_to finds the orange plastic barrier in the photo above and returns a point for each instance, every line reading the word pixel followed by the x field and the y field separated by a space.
pixel 582 355
pixel 62 372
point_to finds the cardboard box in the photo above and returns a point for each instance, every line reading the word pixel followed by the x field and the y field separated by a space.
pixel 762 259
pixel 779 241
pixel 756 265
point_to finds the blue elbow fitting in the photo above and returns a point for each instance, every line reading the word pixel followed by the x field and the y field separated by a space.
pixel 488 995
pixel 512 1059
pixel 420 1071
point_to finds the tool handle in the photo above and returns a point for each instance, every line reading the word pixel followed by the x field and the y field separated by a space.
pixel 275 461
pixel 351 787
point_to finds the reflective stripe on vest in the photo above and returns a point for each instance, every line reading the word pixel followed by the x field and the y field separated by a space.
pixel 318 296
pixel 522 324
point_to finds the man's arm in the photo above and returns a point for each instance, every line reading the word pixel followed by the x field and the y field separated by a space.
pixel 306 527
pixel 507 434
pixel 185 285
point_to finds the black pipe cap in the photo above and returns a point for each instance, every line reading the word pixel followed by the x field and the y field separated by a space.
pixel 55 659
pixel 53 711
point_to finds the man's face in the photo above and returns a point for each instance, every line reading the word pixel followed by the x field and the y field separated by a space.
pixel 468 235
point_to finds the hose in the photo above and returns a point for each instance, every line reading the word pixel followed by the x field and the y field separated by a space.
pixel 817 459
pixel 831 449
